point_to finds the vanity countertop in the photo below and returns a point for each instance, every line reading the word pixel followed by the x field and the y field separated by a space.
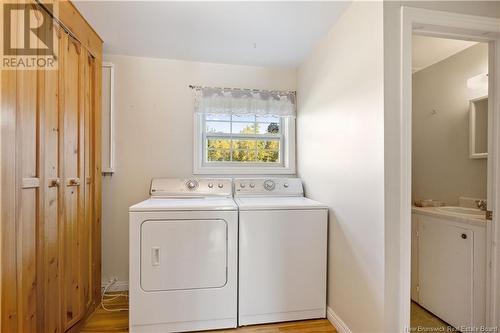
pixel 476 217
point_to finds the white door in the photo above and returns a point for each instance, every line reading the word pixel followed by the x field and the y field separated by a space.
pixel 183 254
pixel 445 263
pixel 282 266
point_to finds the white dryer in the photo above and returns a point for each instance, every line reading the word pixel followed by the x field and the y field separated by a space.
pixel 282 252
pixel 183 257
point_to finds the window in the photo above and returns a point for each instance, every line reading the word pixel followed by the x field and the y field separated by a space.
pixel 228 142
pixel 243 139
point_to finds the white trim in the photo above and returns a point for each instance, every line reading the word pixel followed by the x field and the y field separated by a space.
pixel 335 320
pixel 452 25
pixel 472 129
pixel 405 165
pixel 459 26
pixel 493 287
pixel 287 151
pixel 111 158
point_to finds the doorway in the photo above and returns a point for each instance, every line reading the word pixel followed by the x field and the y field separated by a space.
pixel 449 240
pixel 465 28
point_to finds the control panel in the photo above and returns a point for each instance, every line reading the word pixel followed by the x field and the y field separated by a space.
pixel 191 187
pixel 268 186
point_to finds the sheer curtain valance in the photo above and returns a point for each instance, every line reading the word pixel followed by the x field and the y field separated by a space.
pixel 244 101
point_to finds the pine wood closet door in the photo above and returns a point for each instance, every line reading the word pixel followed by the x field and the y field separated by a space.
pixel 96 177
pixel 27 217
pixel 72 156
pixel 9 189
pixel 19 197
pixel 48 92
pixel 30 239
pixel 50 187
pixel 87 228
pixel 29 226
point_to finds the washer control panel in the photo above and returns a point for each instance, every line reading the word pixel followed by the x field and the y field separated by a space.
pixel 191 187
pixel 268 186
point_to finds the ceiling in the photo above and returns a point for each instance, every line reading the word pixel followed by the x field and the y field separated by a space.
pixel 280 33
pixel 430 50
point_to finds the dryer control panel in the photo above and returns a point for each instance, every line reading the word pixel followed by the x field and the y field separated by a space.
pixel 191 187
pixel 268 187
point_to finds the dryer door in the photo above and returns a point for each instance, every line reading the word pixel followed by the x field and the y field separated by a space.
pixel 183 254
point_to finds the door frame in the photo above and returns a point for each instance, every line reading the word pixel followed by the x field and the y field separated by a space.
pixel 455 26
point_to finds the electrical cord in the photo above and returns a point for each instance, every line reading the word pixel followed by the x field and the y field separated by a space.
pixel 111 298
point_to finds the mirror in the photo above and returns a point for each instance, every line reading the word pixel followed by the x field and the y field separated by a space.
pixel 478 127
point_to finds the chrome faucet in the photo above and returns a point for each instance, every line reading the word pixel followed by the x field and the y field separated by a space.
pixel 481 204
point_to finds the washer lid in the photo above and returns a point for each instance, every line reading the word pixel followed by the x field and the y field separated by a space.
pixel 184 204
pixel 277 203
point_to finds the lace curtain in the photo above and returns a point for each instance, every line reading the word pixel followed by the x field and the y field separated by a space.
pixel 244 101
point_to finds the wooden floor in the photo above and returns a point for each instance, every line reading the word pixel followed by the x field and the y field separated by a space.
pixel 103 321
pixel 423 320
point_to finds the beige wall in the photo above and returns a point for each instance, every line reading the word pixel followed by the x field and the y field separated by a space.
pixel 340 159
pixel 154 133
pixel 392 148
pixel 441 167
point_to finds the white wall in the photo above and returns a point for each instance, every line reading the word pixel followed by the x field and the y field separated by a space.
pixel 441 167
pixel 392 130
pixel 340 153
pixel 154 133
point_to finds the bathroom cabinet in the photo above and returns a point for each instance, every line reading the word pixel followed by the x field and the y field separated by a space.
pixel 50 180
pixel 449 268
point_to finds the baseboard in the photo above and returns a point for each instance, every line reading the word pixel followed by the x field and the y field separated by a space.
pixel 336 321
pixel 115 286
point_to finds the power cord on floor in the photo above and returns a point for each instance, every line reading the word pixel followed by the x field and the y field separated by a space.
pixel 111 297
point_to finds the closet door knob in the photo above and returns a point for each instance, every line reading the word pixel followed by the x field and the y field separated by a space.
pixel 54 182
pixel 73 182
pixel 464 236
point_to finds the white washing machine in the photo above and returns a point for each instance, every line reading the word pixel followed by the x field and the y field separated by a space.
pixel 183 257
pixel 282 252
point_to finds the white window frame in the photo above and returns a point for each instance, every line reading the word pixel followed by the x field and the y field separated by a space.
pixel 286 165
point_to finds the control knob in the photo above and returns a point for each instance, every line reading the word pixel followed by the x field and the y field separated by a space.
pixel 192 184
pixel 269 185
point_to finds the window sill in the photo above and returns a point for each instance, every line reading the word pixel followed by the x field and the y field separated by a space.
pixel 215 170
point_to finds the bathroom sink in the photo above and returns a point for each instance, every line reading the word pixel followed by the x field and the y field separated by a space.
pixel 462 210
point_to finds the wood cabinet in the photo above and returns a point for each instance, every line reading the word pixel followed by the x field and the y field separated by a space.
pixel 50 183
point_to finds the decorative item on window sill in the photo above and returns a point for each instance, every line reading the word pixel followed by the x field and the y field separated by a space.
pixel 273 128
pixel 244 101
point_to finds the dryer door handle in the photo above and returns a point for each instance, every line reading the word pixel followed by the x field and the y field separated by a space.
pixel 155 256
